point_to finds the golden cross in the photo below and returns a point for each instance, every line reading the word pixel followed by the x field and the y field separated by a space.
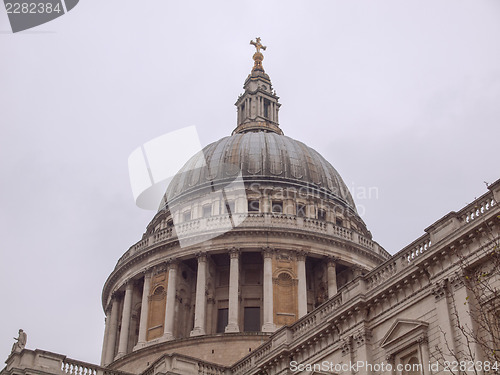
pixel 257 44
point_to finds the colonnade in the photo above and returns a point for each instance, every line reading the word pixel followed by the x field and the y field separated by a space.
pixel 117 337
pixel 255 107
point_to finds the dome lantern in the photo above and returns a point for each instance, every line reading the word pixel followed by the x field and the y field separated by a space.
pixel 258 106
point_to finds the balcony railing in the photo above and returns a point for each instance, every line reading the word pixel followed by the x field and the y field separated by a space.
pixel 223 223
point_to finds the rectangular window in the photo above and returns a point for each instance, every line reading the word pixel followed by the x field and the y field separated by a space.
pixel 267 103
pixel 186 216
pixel 277 207
pixel 253 206
pixel 207 210
pixel 339 221
pixel 222 316
pixel 321 214
pixel 251 319
pixel 301 210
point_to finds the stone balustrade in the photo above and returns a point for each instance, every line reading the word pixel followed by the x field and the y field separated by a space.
pixel 211 369
pixel 43 362
pixel 72 367
pixel 447 225
pixel 477 209
pixel 262 351
pixel 415 249
pixel 380 274
pixel 221 223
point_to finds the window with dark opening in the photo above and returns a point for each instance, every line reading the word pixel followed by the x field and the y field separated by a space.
pixel 277 207
pixel 267 103
pixel 321 215
pixel 253 206
pixel 339 221
pixel 222 316
pixel 251 319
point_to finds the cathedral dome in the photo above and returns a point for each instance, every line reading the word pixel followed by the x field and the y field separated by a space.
pixel 260 157
pixel 254 231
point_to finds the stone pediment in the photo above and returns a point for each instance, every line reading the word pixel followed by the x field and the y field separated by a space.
pixel 403 330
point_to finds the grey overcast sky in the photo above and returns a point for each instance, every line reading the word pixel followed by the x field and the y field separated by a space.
pixel 400 96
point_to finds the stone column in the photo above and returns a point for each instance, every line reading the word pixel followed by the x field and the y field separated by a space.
pixel 201 300
pixel 126 315
pixel 168 333
pixel 107 321
pixel 234 281
pixel 113 328
pixel 332 277
pixel 302 285
pixel 267 290
pixel 143 322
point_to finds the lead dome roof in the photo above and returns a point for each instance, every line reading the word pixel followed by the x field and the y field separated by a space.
pixel 260 156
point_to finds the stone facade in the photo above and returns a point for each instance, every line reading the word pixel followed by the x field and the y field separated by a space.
pixel 279 274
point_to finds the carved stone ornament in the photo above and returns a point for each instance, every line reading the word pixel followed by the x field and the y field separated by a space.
pixel 457 281
pixel 439 290
pixel 346 345
pixel 172 264
pixel 362 337
pixel 267 252
pixel 201 256
pixel 423 339
pixel 234 252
